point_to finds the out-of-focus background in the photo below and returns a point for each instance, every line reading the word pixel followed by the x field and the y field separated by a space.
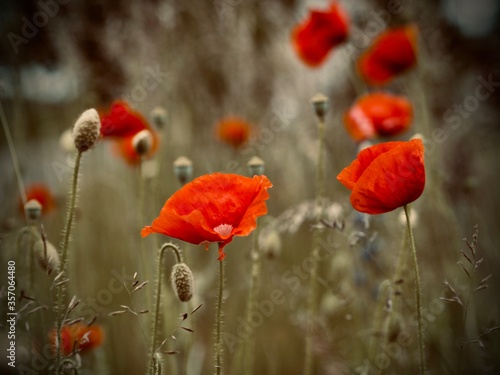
pixel 203 61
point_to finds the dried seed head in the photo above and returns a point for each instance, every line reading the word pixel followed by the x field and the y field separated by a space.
pixel 48 258
pixel 159 117
pixel 270 245
pixel 255 166
pixel 142 142
pixel 183 169
pixel 86 130
pixel 320 104
pixel 33 210
pixel 182 281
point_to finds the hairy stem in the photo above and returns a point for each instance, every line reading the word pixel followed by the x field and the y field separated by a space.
pixel 64 261
pixel 154 324
pixel 418 292
pixel 313 277
pixel 218 327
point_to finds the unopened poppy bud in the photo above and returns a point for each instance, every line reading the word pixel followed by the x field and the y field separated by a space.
pixel 33 210
pixel 270 245
pixel 182 281
pixel 255 166
pixel 320 104
pixel 86 130
pixel 159 117
pixel 183 169
pixel 142 142
pixel 47 255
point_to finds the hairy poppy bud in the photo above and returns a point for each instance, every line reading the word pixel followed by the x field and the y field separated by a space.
pixel 255 166
pixel 183 169
pixel 48 258
pixel 182 281
pixel 159 117
pixel 320 104
pixel 142 142
pixel 86 130
pixel 33 210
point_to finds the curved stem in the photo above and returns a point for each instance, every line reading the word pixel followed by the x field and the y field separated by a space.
pixel 63 264
pixel 13 155
pixel 418 292
pixel 154 325
pixel 313 280
pixel 218 328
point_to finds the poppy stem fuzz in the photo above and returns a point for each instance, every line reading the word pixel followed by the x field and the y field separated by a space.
pixel 61 272
pixel 153 360
pixel 418 291
pixel 218 323
pixel 320 105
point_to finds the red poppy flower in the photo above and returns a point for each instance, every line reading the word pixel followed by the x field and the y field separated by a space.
pixel 213 208
pixel 122 123
pixel 319 33
pixel 392 53
pixel 233 130
pixel 78 336
pixel 378 114
pixel 385 176
pixel 42 194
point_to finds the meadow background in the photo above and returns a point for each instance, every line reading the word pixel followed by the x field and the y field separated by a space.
pixel 202 61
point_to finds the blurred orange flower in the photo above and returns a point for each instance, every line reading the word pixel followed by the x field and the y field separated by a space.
pixel 122 123
pixel 79 336
pixel 392 53
pixel 319 33
pixel 42 194
pixel 233 131
pixel 213 208
pixel 378 114
pixel 385 176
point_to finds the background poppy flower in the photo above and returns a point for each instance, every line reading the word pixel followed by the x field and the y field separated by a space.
pixel 42 194
pixel 392 53
pixel 233 131
pixel 378 114
pixel 319 33
pixel 80 336
pixel 213 208
pixel 123 123
pixel 385 176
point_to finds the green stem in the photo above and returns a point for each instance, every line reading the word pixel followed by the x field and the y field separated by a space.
pixel 13 155
pixel 254 284
pixel 218 328
pixel 144 259
pixel 313 279
pixel 154 325
pixel 418 293
pixel 63 264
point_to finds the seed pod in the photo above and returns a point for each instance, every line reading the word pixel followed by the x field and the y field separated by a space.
pixel 33 210
pixel 86 130
pixel 183 169
pixel 47 259
pixel 142 142
pixel 255 166
pixel 159 117
pixel 270 245
pixel 182 281
pixel 320 104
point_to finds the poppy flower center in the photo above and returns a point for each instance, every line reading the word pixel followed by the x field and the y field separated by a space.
pixel 223 229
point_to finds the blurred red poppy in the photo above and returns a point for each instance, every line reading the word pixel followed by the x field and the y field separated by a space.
pixel 78 336
pixel 378 114
pixel 233 131
pixel 42 194
pixel 385 176
pixel 122 123
pixel 319 33
pixel 213 208
pixel 392 53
